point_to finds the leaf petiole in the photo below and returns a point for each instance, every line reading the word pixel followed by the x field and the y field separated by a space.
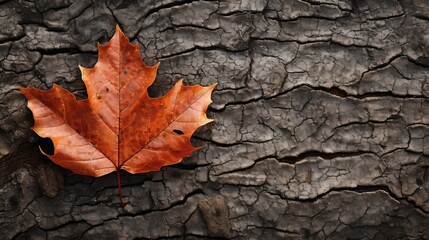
pixel 118 171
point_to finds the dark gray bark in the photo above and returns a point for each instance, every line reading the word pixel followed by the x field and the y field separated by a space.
pixel 321 113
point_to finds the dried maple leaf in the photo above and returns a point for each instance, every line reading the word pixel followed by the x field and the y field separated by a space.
pixel 119 126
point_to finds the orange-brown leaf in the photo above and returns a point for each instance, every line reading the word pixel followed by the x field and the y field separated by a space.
pixel 119 126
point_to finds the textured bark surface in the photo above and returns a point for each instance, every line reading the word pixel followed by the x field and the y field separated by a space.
pixel 322 126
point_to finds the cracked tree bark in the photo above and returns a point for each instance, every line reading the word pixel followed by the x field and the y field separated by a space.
pixel 322 127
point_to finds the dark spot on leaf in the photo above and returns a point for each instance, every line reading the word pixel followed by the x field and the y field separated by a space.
pixel 46 146
pixel 125 72
pixel 178 132
pixel 107 89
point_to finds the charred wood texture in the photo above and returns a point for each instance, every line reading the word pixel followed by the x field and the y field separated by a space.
pixel 322 120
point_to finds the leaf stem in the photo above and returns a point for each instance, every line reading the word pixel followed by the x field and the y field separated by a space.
pixel 118 171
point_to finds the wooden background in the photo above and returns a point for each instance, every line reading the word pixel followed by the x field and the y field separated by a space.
pixel 322 127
